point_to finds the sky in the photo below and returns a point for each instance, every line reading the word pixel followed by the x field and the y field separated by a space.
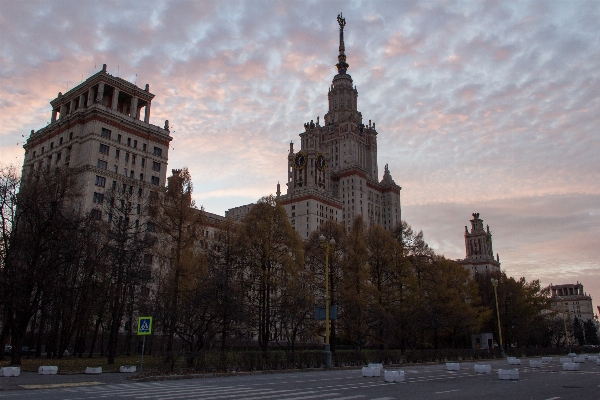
pixel 481 106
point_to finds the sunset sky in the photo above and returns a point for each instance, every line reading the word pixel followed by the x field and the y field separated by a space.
pixel 489 107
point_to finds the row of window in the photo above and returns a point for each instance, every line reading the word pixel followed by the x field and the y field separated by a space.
pixel 104 149
pixel 155 180
pixel 107 133
pixel 60 142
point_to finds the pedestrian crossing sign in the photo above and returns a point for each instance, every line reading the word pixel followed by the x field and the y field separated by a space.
pixel 144 325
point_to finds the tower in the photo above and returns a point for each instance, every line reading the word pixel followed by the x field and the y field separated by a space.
pixel 478 248
pixel 334 173
pixel 96 132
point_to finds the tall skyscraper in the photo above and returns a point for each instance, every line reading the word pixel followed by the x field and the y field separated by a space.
pixel 478 248
pixel 334 174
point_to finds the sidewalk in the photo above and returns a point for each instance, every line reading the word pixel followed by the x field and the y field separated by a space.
pixel 32 380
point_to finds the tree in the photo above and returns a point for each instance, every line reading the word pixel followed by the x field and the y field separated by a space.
pixel 272 253
pixel 180 226
pixel 590 332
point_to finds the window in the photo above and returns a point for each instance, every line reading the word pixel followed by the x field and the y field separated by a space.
pixel 143 162
pixel 98 198
pixel 133 159
pixel 103 149
pixel 114 185
pixel 131 174
pixel 144 146
pixel 58 156
pixel 157 151
pixel 102 164
pixel 100 181
pixel 119 138
pixel 123 191
pixel 60 141
pixel 138 209
pixel 117 153
pixel 34 153
pixel 155 166
pixel 70 135
pixel 150 227
pixel 51 145
pixel 140 192
pixel 96 215
pixel 128 141
pixel 125 172
pixel 155 180
pixel 116 169
pixel 105 133
pixel 135 144
pixel 141 177
pixel 126 157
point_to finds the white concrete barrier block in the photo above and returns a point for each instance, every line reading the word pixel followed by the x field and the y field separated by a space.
pixel 571 367
pixel 566 360
pixel 578 359
pixel 535 363
pixel 598 361
pixel 10 371
pixel 376 371
pixel 127 368
pixel 93 370
pixel 483 369
pixel 48 370
pixel 585 356
pixel 513 361
pixel 546 359
pixel 452 367
pixel 593 358
pixel 508 374
pixel 394 376
pixel 376 365
pixel 367 371
pixel 572 355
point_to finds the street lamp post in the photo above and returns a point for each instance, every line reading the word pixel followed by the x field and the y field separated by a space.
pixel 568 341
pixel 495 285
pixel 327 246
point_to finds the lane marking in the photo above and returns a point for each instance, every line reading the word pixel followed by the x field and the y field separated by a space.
pixel 553 398
pixel 447 391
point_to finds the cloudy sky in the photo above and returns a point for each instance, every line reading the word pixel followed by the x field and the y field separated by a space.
pixel 489 107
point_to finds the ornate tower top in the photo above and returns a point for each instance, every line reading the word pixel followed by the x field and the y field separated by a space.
pixel 342 65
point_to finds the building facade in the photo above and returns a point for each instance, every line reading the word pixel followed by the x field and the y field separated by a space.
pixel 97 131
pixel 334 173
pixel 571 299
pixel 478 248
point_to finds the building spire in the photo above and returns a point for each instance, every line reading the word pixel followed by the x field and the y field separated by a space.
pixel 342 65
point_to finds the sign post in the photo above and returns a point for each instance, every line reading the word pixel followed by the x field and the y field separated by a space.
pixel 144 329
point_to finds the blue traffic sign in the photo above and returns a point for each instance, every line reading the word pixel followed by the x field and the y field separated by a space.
pixel 144 326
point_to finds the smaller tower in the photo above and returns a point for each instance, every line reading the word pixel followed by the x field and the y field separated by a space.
pixel 479 255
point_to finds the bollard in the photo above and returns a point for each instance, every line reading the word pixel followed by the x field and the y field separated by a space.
pixel 571 367
pixel 127 368
pixel 452 367
pixel 508 374
pixel 48 370
pixel 483 369
pixel 93 370
pixel 10 371
pixel 535 363
pixel 394 376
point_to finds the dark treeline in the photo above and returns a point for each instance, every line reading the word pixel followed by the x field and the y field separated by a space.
pixel 72 281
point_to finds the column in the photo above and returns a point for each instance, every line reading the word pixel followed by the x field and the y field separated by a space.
pixel 133 108
pixel 90 99
pixel 100 95
pixel 147 113
pixel 72 106
pixel 115 99
pixel 53 118
pixel 81 101
pixel 63 111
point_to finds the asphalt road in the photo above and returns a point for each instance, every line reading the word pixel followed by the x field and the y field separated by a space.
pixel 422 382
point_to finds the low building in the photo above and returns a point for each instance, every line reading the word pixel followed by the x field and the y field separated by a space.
pixel 571 299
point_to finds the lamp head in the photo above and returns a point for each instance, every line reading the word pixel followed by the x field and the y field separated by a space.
pixel 322 238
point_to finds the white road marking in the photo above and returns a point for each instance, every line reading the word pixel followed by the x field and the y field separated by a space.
pixel 447 391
